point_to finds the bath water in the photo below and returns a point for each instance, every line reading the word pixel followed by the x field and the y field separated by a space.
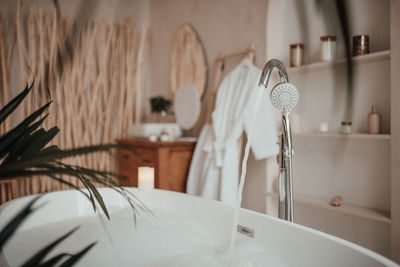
pixel 169 241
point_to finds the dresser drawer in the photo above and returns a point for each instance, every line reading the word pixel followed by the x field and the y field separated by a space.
pixel 143 155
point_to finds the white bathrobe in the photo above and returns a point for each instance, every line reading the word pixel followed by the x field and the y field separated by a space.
pixel 214 170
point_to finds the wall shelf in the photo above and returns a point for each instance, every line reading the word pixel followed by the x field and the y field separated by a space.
pixel 343 136
pixel 376 56
pixel 345 208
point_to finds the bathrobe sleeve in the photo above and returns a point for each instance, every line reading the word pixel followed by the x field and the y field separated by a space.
pixel 265 139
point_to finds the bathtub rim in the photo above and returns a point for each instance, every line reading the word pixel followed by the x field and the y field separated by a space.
pixel 367 252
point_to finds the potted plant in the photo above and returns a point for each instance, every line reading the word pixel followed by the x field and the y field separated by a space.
pixel 159 107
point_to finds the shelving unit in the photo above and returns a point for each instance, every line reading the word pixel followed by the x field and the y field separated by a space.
pixel 381 55
pixel 345 208
pixel 323 95
pixel 356 166
pixel 343 136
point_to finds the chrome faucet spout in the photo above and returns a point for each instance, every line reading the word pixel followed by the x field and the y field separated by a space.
pixel 268 68
pixel 284 97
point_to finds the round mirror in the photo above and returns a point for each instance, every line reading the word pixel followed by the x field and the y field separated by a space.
pixel 187 106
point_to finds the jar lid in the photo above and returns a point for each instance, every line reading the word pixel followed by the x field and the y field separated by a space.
pixel 361 39
pixel 366 36
pixel 296 45
pixel 346 122
pixel 328 38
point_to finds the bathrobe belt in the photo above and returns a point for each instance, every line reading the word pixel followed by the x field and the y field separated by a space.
pixel 217 148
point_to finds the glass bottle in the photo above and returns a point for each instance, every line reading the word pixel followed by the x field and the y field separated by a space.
pixel 374 121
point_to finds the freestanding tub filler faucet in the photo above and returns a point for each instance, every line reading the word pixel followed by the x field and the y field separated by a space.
pixel 284 97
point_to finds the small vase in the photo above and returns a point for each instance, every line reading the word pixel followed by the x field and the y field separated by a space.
pixel 374 121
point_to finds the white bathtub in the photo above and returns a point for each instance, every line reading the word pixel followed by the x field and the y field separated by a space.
pixel 188 231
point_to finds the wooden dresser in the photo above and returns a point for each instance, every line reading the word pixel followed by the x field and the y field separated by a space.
pixel 171 161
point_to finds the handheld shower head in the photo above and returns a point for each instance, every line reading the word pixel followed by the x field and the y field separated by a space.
pixel 284 97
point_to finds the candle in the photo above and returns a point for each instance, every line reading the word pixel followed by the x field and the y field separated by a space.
pixel 145 178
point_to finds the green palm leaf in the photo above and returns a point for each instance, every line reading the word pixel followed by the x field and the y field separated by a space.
pixel 24 128
pixel 46 156
pixel 24 152
pixel 13 104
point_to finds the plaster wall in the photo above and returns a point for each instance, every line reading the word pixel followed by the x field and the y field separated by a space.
pixel 224 26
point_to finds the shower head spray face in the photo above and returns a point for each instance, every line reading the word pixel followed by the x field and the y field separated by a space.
pixel 284 97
